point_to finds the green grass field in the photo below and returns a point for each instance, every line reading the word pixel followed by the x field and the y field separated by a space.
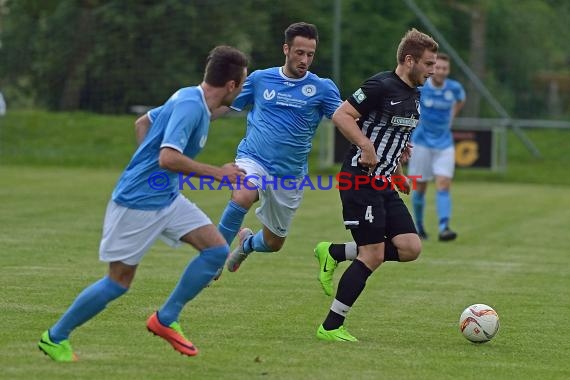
pixel 261 321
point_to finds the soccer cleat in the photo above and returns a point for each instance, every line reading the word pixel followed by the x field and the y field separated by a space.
pixel 422 234
pixel 172 334
pixel 447 235
pixel 327 266
pixel 238 255
pixel 60 352
pixel 337 335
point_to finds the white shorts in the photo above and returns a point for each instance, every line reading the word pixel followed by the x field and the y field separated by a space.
pixel 427 162
pixel 278 205
pixel 128 233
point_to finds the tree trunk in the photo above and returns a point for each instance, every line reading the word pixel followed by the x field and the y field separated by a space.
pixel 82 44
pixel 476 59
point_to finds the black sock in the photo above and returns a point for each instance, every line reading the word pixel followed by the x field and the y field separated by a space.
pixel 337 252
pixel 390 251
pixel 350 286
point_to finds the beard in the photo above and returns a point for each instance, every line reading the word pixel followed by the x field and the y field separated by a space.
pixel 416 77
pixel 294 70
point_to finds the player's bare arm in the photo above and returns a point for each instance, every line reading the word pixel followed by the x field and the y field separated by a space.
pixel 176 162
pixel 457 108
pixel 219 112
pixel 406 154
pixel 405 183
pixel 345 120
pixel 142 124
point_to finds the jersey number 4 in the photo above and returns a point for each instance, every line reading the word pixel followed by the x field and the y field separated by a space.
pixel 368 214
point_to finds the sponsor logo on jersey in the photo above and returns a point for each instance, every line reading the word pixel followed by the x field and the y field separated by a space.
pixel 268 95
pixel 203 140
pixel 408 122
pixel 309 90
pixel 359 96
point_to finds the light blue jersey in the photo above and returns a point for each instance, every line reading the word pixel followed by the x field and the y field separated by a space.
pixel 436 106
pixel 284 118
pixel 181 123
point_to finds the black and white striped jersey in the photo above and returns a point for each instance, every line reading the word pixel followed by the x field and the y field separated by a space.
pixel 390 111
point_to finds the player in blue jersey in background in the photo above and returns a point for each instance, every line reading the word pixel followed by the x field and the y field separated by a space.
pixel 434 153
pixel 146 205
pixel 288 103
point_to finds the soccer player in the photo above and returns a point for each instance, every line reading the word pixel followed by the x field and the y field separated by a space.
pixel 434 153
pixel 378 119
pixel 146 205
pixel 288 103
pixel 2 105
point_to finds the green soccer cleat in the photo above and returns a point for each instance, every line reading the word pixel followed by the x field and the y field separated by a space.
pixel 327 266
pixel 337 335
pixel 60 352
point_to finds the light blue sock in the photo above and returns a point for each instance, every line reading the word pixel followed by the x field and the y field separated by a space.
pixel 418 203
pixel 88 303
pixel 256 243
pixel 443 201
pixel 231 221
pixel 196 276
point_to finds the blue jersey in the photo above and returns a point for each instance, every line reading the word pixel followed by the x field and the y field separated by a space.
pixel 436 106
pixel 181 123
pixel 285 115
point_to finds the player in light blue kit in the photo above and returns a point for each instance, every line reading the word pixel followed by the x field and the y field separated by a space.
pixel 146 205
pixel 434 153
pixel 288 104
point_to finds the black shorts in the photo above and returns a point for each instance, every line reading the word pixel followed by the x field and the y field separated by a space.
pixel 372 215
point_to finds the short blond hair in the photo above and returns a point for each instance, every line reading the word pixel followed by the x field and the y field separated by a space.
pixel 414 43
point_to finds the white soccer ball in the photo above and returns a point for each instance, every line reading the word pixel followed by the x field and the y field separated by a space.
pixel 479 323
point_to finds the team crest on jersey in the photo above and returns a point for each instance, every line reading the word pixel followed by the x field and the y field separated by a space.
pixel 359 96
pixel 448 95
pixel 309 90
pixel 418 105
pixel 268 95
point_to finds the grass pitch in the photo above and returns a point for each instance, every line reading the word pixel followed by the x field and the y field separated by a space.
pixel 260 323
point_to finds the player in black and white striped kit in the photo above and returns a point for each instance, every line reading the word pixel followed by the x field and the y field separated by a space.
pixel 377 119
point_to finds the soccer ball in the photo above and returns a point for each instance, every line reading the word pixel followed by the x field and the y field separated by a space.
pixel 479 323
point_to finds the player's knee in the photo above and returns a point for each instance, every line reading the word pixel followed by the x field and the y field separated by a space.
pixel 375 261
pixel 442 183
pixel 413 250
pixel 216 255
pixel 122 274
pixel 245 198
pixel 371 255
pixel 123 280
pixel 274 244
pixel 419 187
pixel 410 249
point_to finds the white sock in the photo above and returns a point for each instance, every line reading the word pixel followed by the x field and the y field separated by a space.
pixel 350 250
pixel 340 308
